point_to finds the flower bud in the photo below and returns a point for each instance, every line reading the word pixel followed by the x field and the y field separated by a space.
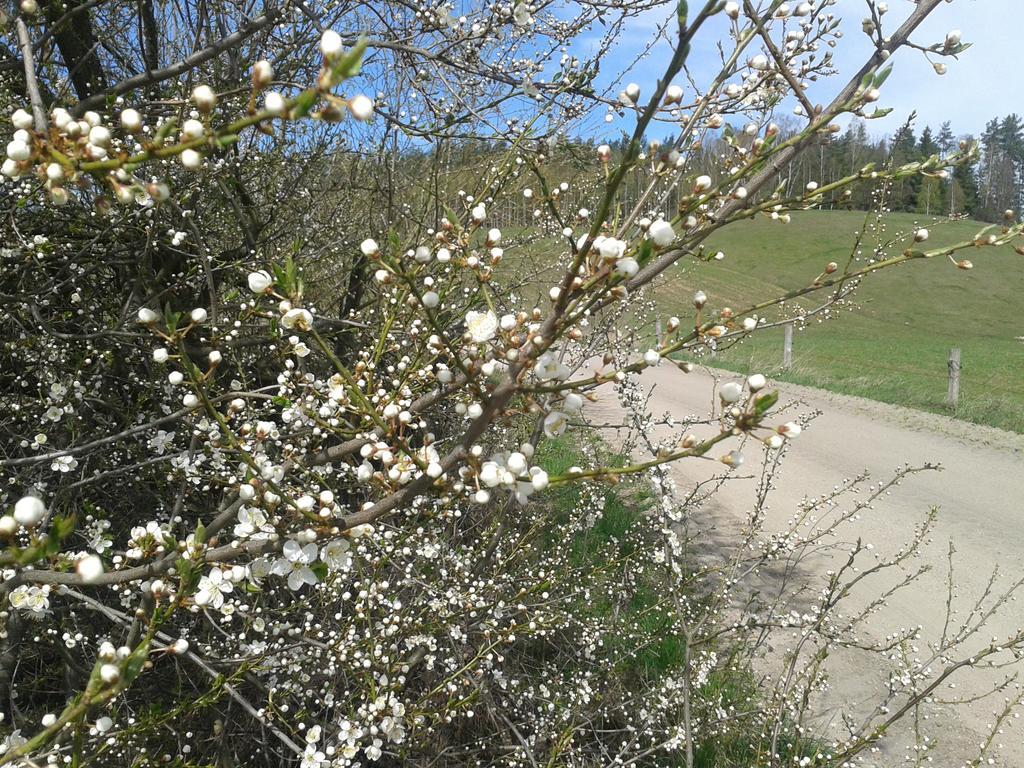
pixel 274 103
pixel 730 392
pixel 131 121
pixel 204 98
pixel 89 568
pixel 260 281
pixel 262 74
pixel 191 159
pixel 673 94
pixel 361 107
pixel 21 119
pixel 661 233
pixel 29 511
pixel 330 44
pixel 732 459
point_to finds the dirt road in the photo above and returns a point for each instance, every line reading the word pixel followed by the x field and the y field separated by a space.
pixel 980 496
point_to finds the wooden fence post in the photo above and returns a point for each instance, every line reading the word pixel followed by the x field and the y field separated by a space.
pixel 787 347
pixel 953 394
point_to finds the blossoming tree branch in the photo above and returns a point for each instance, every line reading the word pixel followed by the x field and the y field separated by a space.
pixel 279 412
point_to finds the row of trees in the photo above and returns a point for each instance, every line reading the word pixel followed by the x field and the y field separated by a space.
pixel 984 188
pixel 989 183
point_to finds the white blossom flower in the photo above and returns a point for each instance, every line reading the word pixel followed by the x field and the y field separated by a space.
pixel 33 599
pixel 212 589
pixel 298 318
pixel 295 564
pixel 312 757
pixel 555 423
pixel 627 267
pixel 161 440
pixel 610 248
pixel 64 464
pixel 337 554
pixel 481 325
pixel 549 366
pixel 252 522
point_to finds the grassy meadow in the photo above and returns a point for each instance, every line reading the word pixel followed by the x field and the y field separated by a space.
pixel 891 341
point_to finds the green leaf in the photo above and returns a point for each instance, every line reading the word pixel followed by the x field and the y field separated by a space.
pixel 643 253
pixel 764 401
pixel 26 555
pixel 452 217
pixel 349 65
pixel 882 76
pixel 304 103
pixel 62 527
pixel 165 130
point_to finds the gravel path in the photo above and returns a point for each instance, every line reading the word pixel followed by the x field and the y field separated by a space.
pixel 980 497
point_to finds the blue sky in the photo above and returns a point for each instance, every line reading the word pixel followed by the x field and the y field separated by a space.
pixel 983 83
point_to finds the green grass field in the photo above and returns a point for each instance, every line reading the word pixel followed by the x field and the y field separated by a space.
pixel 892 341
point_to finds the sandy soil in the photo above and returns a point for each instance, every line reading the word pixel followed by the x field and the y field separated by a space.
pixel 980 496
